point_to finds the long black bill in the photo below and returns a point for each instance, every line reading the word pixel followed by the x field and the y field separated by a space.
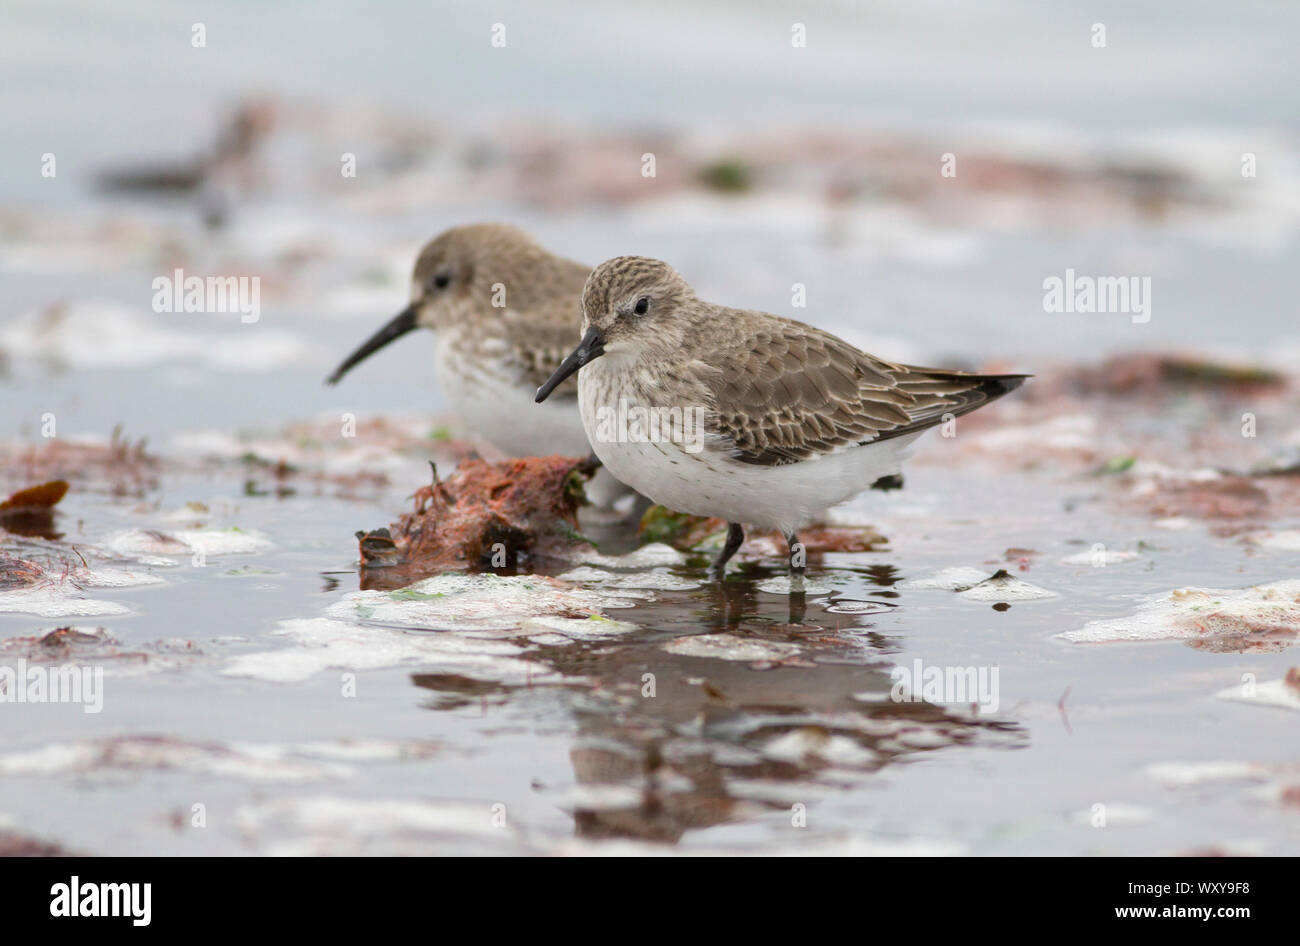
pixel 398 326
pixel 590 348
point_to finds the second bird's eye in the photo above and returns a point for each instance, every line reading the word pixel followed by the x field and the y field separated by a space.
pixel 642 306
pixel 441 281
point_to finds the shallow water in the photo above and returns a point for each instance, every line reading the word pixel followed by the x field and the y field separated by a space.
pixel 715 760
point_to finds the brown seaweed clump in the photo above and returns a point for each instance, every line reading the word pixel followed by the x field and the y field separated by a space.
pixel 688 533
pixel 1156 374
pixel 120 467
pixel 82 644
pixel 18 572
pixel 18 845
pixel 29 512
pixel 485 516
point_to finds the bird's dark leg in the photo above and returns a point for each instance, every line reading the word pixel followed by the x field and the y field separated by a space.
pixel 886 483
pixel 798 554
pixel 735 536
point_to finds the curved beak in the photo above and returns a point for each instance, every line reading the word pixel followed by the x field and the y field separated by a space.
pixel 590 348
pixel 398 326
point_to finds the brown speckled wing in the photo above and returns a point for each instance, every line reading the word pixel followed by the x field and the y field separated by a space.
pixel 542 335
pixel 536 358
pixel 789 392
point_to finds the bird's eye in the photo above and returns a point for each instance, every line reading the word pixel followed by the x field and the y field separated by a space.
pixel 441 281
pixel 642 306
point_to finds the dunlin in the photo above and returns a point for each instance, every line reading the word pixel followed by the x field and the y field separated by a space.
pixel 505 312
pixel 794 420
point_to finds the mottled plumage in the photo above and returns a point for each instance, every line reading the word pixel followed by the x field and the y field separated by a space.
pixel 505 312
pixel 528 334
pixel 792 392
pixel 794 419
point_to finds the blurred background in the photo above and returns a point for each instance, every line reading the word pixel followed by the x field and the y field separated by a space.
pixel 775 163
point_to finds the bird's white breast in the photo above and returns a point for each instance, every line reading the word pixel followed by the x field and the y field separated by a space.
pixel 710 482
pixel 476 383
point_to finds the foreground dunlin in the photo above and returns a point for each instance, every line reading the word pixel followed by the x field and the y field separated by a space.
pixel 751 417
pixel 505 312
